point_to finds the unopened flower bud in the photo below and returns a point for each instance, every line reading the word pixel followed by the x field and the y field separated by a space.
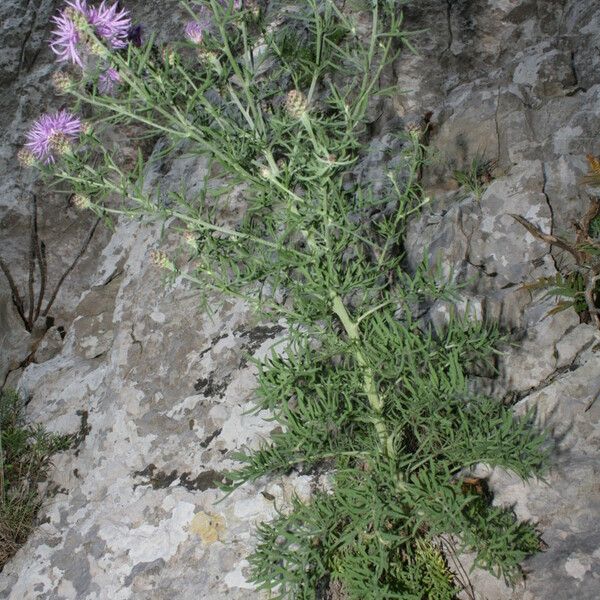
pixel 169 55
pixel 296 104
pixel 82 201
pixel 62 82
pixel 252 7
pixel 190 238
pixel 208 56
pixel 271 169
pixel 160 259
pixel 26 158
pixel 414 128
pixel 266 173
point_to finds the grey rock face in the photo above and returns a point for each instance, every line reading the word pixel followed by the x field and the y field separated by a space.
pixel 15 340
pixel 159 391
pixel 510 87
pixel 155 436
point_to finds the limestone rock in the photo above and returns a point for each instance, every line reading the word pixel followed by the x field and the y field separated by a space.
pixel 159 392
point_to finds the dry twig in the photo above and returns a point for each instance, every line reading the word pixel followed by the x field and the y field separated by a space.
pixel 585 251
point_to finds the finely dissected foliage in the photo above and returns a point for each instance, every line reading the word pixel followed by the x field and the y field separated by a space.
pixel 366 387
pixel 595 227
pixel 25 454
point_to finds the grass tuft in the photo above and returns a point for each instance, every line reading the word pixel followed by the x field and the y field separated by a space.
pixel 476 176
pixel 25 459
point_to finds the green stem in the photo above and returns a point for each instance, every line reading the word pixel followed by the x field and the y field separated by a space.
pixel 319 49
pixel 259 124
pixel 234 234
pixel 369 385
pixel 226 289
pixel 1 469
pixel 200 223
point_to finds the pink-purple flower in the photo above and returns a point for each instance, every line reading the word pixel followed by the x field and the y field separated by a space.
pixel 108 81
pixel 110 23
pixel 53 134
pixel 66 37
pixel 194 31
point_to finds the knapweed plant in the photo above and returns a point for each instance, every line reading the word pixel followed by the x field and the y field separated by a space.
pixel 275 103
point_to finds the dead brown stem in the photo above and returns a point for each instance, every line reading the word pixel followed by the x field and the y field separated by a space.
pixel 462 576
pixel 31 262
pixel 16 297
pixel 590 288
pixel 40 253
pixel 548 238
pixel 581 250
pixel 37 253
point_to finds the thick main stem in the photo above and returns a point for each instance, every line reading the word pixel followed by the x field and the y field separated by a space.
pixel 370 387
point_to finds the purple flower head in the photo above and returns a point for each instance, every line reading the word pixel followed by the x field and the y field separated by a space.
pixel 194 31
pixel 112 24
pixel 53 134
pixel 108 81
pixel 66 36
